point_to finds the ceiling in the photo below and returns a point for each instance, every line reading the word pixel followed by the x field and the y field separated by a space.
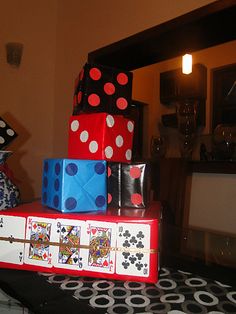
pixel 205 27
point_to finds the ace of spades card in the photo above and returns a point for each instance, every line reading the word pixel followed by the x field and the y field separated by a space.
pixel 101 236
pixel 70 235
pixel 134 258
pixel 14 228
pixel 41 231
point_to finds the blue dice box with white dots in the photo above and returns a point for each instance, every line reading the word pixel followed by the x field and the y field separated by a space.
pixel 74 185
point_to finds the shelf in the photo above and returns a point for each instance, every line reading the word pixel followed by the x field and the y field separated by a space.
pixel 227 167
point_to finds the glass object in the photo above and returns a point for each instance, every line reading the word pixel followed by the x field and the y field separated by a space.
pixel 224 141
pixel 158 147
pixel 186 118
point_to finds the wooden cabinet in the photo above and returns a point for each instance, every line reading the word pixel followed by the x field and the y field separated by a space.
pixel 174 85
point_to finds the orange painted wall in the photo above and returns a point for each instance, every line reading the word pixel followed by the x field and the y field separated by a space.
pixel 57 35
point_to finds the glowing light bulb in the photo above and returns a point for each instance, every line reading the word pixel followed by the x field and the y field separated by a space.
pixel 187 64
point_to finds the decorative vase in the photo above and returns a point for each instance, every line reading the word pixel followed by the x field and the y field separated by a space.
pixel 9 192
pixel 186 118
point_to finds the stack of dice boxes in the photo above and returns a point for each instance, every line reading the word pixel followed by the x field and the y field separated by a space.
pixel 99 171
pixel 72 229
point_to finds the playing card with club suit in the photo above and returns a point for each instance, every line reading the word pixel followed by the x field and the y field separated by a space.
pixel 70 235
pixel 42 230
pixel 12 227
pixel 134 257
pixel 100 237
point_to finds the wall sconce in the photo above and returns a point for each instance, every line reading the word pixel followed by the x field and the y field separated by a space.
pixel 14 53
pixel 187 64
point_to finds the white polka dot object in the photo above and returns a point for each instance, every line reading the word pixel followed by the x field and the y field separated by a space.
pixel 2 124
pixel 84 135
pixel 10 132
pixel 128 154
pixel 130 126
pixel 93 146
pixel 108 152
pixel 110 121
pixel 119 141
pixel 74 125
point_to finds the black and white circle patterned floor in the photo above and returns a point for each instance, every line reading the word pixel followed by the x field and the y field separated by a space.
pixel 176 292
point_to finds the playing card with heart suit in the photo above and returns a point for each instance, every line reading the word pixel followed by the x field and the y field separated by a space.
pixel 70 236
pixel 12 228
pixel 40 231
pixel 134 242
pixel 101 236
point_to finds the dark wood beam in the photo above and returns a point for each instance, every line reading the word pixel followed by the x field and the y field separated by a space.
pixel 205 27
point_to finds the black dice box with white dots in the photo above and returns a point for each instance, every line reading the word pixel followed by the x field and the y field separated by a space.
pixel 102 89
pixel 7 134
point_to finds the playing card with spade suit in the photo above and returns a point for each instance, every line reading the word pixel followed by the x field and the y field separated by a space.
pixel 40 231
pixel 101 237
pixel 70 236
pixel 12 227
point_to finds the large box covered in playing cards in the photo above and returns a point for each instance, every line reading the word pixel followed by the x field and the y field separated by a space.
pixel 73 185
pixel 127 184
pixel 100 136
pixel 107 245
pixel 102 89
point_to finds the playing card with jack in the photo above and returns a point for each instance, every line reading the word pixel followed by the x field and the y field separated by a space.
pixel 101 236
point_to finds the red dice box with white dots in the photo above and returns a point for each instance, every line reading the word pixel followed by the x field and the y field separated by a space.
pixel 100 136
pixel 102 89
